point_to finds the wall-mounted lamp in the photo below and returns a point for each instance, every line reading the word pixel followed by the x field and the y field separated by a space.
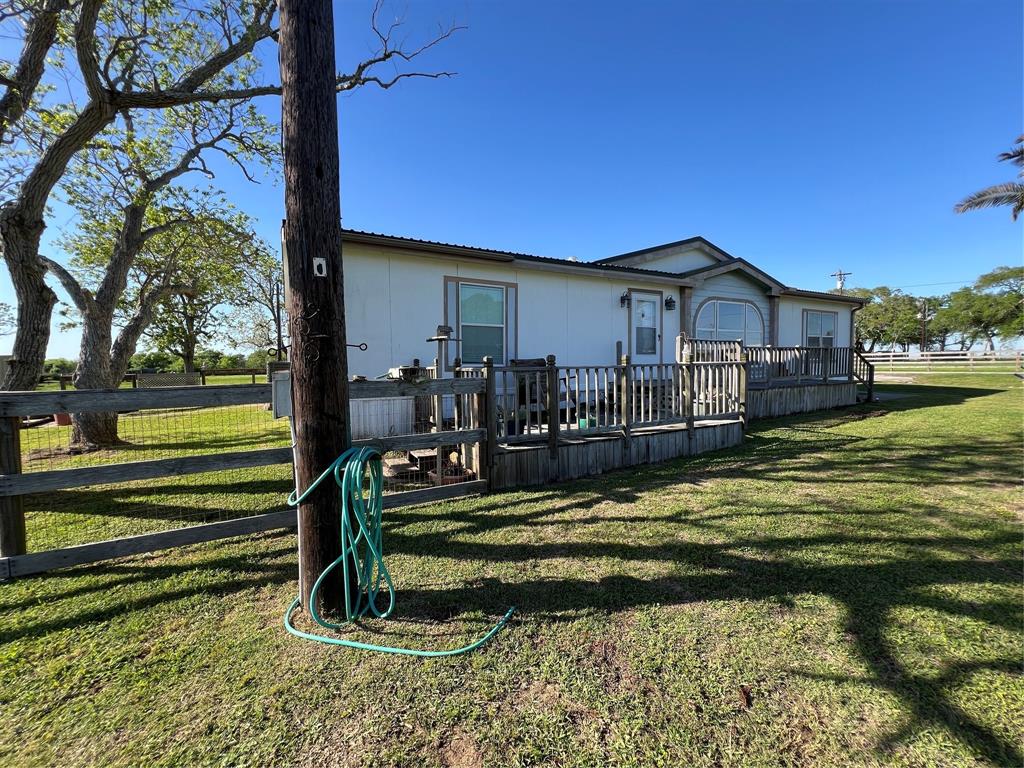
pixel 624 299
pixel 670 303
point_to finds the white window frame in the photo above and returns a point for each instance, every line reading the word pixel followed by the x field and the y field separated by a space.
pixel 453 318
pixel 835 328
pixel 503 324
pixel 715 333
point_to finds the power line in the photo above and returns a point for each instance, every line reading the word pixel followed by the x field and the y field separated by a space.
pixel 925 285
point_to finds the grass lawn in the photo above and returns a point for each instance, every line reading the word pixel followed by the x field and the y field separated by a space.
pixel 844 589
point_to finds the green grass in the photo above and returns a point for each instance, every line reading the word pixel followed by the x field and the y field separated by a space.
pixel 844 589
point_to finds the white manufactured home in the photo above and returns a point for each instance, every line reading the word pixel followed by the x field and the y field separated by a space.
pixel 514 306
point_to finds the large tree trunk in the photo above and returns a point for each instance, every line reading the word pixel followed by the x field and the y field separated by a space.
pixel 92 431
pixel 188 355
pixel 35 299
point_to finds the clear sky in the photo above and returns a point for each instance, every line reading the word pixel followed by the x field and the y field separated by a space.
pixel 802 136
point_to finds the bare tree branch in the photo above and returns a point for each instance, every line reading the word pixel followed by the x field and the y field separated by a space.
pixel 81 297
pixel 85 48
pixel 39 39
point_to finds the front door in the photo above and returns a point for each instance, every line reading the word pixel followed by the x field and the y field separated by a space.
pixel 645 327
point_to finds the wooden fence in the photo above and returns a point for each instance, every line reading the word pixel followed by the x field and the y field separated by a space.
pixel 168 378
pixel 15 484
pixel 950 359
pixel 480 413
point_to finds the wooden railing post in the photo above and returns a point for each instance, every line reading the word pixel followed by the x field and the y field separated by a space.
pixel 460 416
pixel 12 509
pixel 552 404
pixel 688 393
pixel 489 413
pixel 742 394
pixel 826 363
pixel 849 373
pixel 625 396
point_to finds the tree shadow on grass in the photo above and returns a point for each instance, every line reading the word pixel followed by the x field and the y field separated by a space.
pixel 869 593
pixel 250 569
pixel 804 450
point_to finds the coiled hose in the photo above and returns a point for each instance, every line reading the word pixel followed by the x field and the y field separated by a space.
pixel 363 547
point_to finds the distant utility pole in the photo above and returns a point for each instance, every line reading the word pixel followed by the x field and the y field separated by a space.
pixel 313 276
pixel 840 277
pixel 924 323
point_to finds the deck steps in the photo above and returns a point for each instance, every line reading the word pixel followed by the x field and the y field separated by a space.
pixel 397 467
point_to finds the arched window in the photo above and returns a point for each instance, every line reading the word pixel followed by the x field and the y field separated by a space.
pixel 730 321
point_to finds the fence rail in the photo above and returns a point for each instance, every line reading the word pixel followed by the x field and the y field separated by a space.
pixel 190 431
pixel 894 361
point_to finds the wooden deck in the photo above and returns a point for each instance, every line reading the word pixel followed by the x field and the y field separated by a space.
pixel 524 465
pixel 786 399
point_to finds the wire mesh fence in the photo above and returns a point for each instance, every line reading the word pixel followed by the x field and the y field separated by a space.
pixel 84 500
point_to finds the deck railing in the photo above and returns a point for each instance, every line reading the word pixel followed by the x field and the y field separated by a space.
pixel 801 364
pixel 537 402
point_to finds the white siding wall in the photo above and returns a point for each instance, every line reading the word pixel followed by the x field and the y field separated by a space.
pixel 791 320
pixel 733 285
pixel 678 259
pixel 395 300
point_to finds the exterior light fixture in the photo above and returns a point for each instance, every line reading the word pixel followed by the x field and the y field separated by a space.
pixel 624 299
pixel 670 303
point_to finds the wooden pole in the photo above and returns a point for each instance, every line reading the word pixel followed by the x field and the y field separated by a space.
pixel 12 511
pixel 625 398
pixel 490 415
pixel 551 385
pixel 742 375
pixel 314 283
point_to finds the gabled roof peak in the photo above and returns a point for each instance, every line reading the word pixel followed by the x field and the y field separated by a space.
pixel 698 242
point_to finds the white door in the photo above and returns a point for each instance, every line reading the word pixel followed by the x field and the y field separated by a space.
pixel 645 327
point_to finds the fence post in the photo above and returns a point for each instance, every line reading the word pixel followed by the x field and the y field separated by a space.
pixel 438 425
pixel 743 389
pixel 551 371
pixel 12 509
pixel 626 396
pixel 688 393
pixel 460 416
pixel 850 364
pixel 490 417
pixel 826 363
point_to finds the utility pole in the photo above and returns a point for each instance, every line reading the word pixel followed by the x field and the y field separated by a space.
pixel 840 277
pixel 924 323
pixel 314 283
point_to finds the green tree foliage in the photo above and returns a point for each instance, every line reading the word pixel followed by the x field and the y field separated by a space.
pixel 210 268
pixel 891 319
pixel 58 365
pixel 990 310
pixel 258 320
pixel 141 70
pixel 155 360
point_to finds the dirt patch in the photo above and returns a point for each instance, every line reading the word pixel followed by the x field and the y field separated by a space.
pixel 615 670
pixel 461 751
pixel 877 413
pixel 539 695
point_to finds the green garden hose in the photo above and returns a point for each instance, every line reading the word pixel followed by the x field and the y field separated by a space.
pixel 363 548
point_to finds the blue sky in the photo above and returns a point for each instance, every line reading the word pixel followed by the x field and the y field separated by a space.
pixel 803 136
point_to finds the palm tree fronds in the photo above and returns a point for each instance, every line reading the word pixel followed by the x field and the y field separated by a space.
pixel 1015 155
pixel 1011 193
